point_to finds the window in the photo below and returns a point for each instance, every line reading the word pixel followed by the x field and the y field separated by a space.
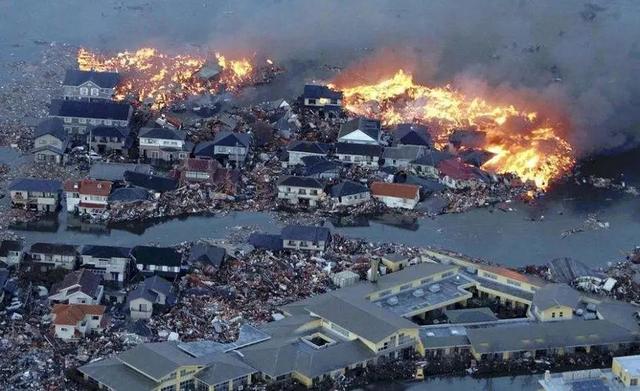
pixel 553 314
pixel 491 276
pixel 634 381
pixel 143 307
pixel 512 282
pixel 95 317
pixel 334 101
pixel 560 314
pixel 95 92
pixel 405 287
pixel 107 122
pixel 312 101
pixel 84 91
pixel 447 274
pixel 67 120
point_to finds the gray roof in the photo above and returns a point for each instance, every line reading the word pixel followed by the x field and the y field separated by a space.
pixel 412 134
pixel 75 77
pixel 105 251
pixel 34 184
pixel 151 255
pixel 116 375
pixel 346 188
pixel 432 157
pixel 301 181
pixel 552 295
pixel 223 368
pixel 89 282
pixel 140 292
pixel 86 109
pixel 308 147
pixel 470 315
pixel 129 194
pixel 163 133
pixel 51 126
pixel 115 171
pixel 370 127
pixel 207 253
pixel 231 139
pixel 157 360
pixel 358 149
pixel 547 335
pixel 305 232
pixel 403 152
pixel 314 91
pixel 53 248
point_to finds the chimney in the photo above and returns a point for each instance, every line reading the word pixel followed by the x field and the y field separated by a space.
pixel 373 273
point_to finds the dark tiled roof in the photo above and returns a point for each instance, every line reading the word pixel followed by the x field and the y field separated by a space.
pixel 52 126
pixel 432 157
pixel 305 232
pixel 88 281
pixel 74 77
pixel 412 134
pixel 106 251
pixel 358 149
pixel 320 166
pixel 161 256
pixel 115 171
pixel 231 139
pixel 205 149
pixel 129 194
pixel 309 147
pixel 86 109
pixel 266 241
pixel 552 295
pixel 313 91
pixel 348 188
pixel 370 127
pixel 301 181
pixel 205 253
pixel 476 157
pixel 49 148
pixel 110 131
pixel 9 245
pixel 33 184
pixel 53 248
pixel 151 182
pixel 467 137
pixel 163 133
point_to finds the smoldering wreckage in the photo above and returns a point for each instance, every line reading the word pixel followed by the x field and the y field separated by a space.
pixel 163 147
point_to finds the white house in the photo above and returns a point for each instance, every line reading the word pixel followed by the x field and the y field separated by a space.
pixel 153 291
pixel 366 155
pixel 89 85
pixel 402 155
pixel 79 115
pixel 78 287
pixel 110 262
pixel 302 237
pixel 164 261
pixel 349 193
pixel 73 321
pixel 87 196
pixel 360 131
pixel 300 149
pixel 301 190
pixel 396 195
pixel 53 255
pixel 163 144
pixel 318 96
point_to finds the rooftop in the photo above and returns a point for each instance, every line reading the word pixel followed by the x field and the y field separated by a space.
pixel 36 185
pixel 370 127
pixel 75 77
pixel 307 233
pixel 399 190
pixel 86 109
pixel 301 181
pixel 51 126
pixel 115 171
pixel 163 256
pixel 71 314
pixel 317 91
pixel 163 133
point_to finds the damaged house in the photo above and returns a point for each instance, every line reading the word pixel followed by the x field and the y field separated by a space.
pixel 396 195
pixel 426 164
pixel 360 131
pixel 297 150
pixel 163 145
pixel 303 237
pixel 154 183
pixel 50 141
pixel 87 196
pixel 42 195
pixel 109 139
pixel 457 175
pixel 74 321
pixel 198 170
pixel 79 115
pixel 365 155
pixel 317 96
pixel 89 85
pixel 162 261
pixel 78 287
pixel 11 252
pixel 111 262
pixel 153 291
pixel 412 134
pixel 349 193
pixel 401 156
pixel 207 257
pixel 301 190
pixel 230 147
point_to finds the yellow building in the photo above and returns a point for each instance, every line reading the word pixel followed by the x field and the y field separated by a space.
pixel 395 262
pixel 627 370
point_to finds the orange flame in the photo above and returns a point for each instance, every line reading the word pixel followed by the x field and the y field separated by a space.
pixel 162 78
pixel 535 153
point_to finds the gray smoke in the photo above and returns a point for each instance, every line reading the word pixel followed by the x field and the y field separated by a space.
pixel 581 57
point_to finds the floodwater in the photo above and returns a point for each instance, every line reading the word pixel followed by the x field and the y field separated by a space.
pixel 523 383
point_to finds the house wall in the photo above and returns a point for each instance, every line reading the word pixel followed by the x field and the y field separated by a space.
pixel 167 155
pixel 73 199
pixel 87 91
pixel 65 331
pixel 137 309
pixel 367 161
pixel 295 157
pixel 12 258
pixel 554 313
pixel 78 127
pixel 398 202
pixel 55 260
pixel 395 266
pixel 621 373
pixel 352 199
pixel 420 280
pixel 108 144
pixel 106 266
pixel 507 281
pixel 304 245
pixel 47 202
pixel 294 194
pixel 156 268
pixel 233 153
pixel 48 156
pixel 322 102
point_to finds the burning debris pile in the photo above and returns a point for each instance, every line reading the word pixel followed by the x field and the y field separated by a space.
pixel 160 78
pixel 520 141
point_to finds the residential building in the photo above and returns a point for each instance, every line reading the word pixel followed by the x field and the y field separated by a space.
pixel 11 252
pixel 457 175
pixel 347 193
pixel 318 96
pixel 207 257
pixel 169 366
pixel 78 287
pixel 301 237
pixel 396 195
pixel 227 146
pixel 360 131
pixel 37 194
pixel 153 291
pixel 53 255
pixel 111 262
pixel 74 321
pixel 114 172
pixel 301 190
pixel 87 196
pixel 401 156
pixel 321 168
pixel 627 370
pixel 109 139
pixel 426 164
pixel 50 141
pixel 163 261
pixel 412 134
pixel 198 170
pixel 154 183
pixel 299 149
pixel 555 302
pixel 366 155
pixel 395 262
pixel 89 85
pixel 78 116
pixel 163 145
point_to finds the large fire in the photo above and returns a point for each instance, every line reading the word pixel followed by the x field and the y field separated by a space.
pixel 523 143
pixel 162 78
